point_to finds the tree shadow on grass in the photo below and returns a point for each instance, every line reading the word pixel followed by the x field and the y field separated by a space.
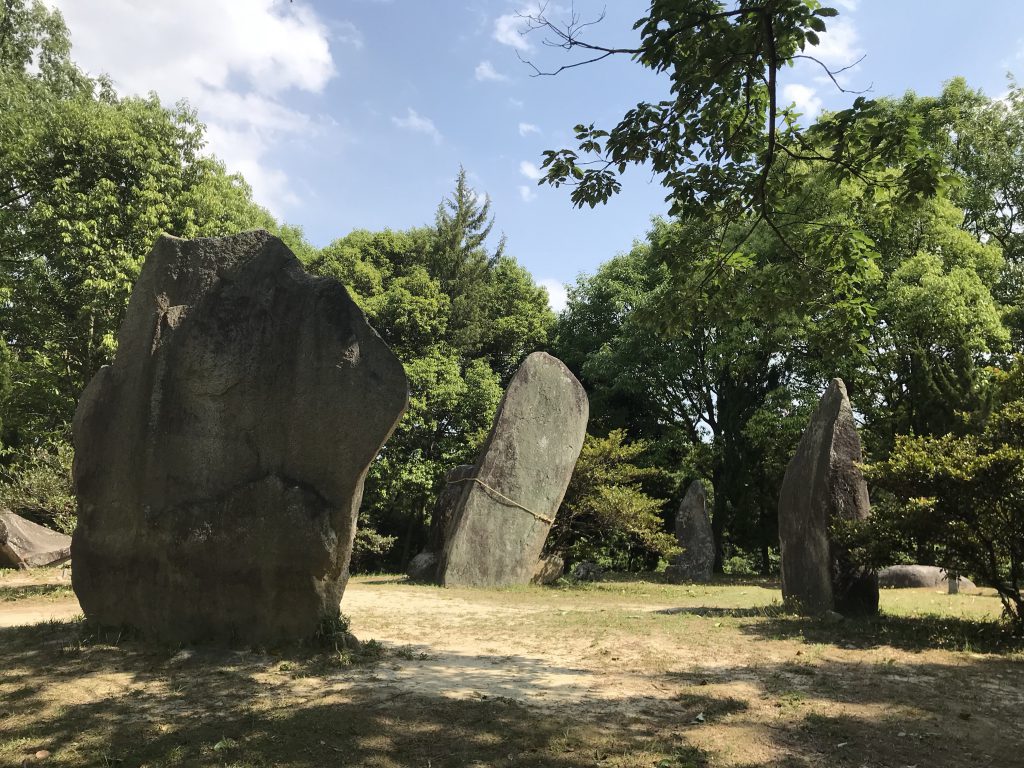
pixel 91 702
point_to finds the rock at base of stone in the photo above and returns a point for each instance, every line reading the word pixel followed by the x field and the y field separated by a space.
pixel 24 544
pixel 508 503
pixel 423 568
pixel 823 483
pixel 693 533
pixel 219 461
pixel 587 571
pixel 549 570
pixel 918 577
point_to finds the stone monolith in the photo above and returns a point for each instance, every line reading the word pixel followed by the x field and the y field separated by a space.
pixel 695 537
pixel 24 544
pixel 219 461
pixel 508 504
pixel 823 483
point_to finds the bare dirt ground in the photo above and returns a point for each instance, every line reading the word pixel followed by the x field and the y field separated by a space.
pixel 627 673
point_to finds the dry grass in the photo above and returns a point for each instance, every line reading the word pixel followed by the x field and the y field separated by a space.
pixel 622 674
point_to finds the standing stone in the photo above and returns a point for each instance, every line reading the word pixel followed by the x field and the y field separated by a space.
pixel 508 503
pixel 822 483
pixel 694 535
pixel 219 462
pixel 24 544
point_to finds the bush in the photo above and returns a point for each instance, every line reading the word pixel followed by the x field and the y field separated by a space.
pixel 606 516
pixel 370 549
pixel 959 497
pixel 39 487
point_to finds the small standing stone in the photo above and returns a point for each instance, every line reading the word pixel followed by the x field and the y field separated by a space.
pixel 694 535
pixel 502 518
pixel 823 483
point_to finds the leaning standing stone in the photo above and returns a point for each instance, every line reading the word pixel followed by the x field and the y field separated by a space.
pixel 695 537
pixel 220 460
pixel 503 516
pixel 822 484
pixel 24 544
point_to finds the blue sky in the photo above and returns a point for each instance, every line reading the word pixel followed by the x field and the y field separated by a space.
pixel 358 114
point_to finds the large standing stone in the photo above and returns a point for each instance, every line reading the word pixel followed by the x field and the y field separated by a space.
pixel 24 544
pixel 823 483
pixel 694 535
pixel 506 508
pixel 219 462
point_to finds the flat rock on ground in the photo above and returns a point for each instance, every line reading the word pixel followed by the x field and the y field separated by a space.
pixel 917 576
pixel 24 544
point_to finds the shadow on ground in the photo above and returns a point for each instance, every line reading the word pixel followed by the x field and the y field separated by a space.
pixel 98 701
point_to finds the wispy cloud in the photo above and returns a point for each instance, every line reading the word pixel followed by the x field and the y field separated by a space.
pixel 525 129
pixel 530 171
pixel 527 194
pixel 415 122
pixel 234 62
pixel 509 29
pixel 558 296
pixel 804 97
pixel 486 71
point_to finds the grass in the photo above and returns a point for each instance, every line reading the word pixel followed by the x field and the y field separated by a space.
pixel 625 674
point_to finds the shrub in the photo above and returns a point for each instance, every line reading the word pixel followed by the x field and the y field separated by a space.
pixel 39 487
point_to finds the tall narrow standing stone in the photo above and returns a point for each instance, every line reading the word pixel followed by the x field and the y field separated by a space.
pixel 694 535
pixel 508 503
pixel 219 461
pixel 822 483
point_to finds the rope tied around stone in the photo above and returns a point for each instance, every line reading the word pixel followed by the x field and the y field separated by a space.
pixel 505 498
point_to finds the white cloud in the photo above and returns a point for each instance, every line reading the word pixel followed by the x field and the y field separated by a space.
pixel 233 60
pixel 804 97
pixel 839 45
pixel 509 29
pixel 486 71
pixel 413 121
pixel 528 195
pixel 347 33
pixel 517 103
pixel 848 5
pixel 558 296
pixel 527 128
pixel 530 171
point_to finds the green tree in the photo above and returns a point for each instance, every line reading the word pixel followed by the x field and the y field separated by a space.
pixel 607 516
pixel 461 318
pixel 88 180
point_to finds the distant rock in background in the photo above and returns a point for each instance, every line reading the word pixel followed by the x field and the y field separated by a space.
pixel 501 521
pixel 220 460
pixel 822 484
pixel 587 571
pixel 694 535
pixel 918 576
pixel 423 567
pixel 24 544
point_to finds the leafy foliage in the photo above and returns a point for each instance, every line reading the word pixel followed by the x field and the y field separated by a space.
pixel 38 486
pixel 961 499
pixel 606 516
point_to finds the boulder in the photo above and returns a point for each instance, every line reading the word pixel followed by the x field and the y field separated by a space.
pixel 587 571
pixel 502 518
pixel 694 535
pixel 823 483
pixel 549 570
pixel 423 568
pixel 24 544
pixel 220 459
pixel 918 576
